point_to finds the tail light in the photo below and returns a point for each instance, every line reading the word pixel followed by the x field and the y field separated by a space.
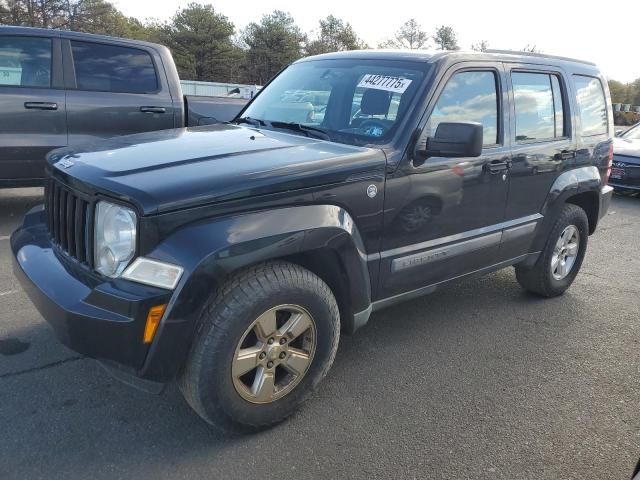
pixel 605 180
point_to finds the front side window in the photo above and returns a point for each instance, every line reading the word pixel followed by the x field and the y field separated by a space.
pixel 538 105
pixel 25 62
pixel 350 101
pixel 593 106
pixel 112 68
pixel 469 97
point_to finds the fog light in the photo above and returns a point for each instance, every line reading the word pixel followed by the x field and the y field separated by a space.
pixel 153 320
pixel 154 273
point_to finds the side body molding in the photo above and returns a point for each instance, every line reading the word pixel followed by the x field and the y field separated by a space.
pixel 223 245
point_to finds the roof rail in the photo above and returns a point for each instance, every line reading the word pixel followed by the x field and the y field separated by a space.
pixel 538 55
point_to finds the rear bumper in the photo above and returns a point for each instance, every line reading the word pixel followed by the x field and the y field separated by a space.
pixel 97 317
pixel 606 193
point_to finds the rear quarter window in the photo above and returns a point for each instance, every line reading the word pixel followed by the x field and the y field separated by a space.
pixel 113 68
pixel 592 105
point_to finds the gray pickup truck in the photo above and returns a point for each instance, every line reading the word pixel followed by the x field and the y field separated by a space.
pixel 64 88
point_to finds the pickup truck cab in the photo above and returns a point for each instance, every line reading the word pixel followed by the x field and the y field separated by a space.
pixel 229 257
pixel 61 88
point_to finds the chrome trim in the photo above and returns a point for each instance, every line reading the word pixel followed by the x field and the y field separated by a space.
pixel 434 255
pixel 460 236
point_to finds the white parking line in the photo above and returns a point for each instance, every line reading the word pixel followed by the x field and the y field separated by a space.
pixel 8 292
pixel 6 237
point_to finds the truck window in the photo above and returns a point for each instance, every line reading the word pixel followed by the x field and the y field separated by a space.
pixel 112 68
pixel 538 105
pixel 25 62
pixel 593 107
pixel 469 97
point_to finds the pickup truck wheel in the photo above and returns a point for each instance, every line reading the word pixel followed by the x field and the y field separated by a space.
pixel 560 261
pixel 264 342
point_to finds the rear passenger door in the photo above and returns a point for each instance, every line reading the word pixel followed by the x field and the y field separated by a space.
pixel 114 89
pixel 32 106
pixel 542 144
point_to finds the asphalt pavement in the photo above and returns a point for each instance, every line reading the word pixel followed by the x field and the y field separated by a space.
pixel 477 381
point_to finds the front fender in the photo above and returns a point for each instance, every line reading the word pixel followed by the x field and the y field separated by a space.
pixel 209 251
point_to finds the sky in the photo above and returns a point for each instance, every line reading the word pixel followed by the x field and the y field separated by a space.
pixel 602 33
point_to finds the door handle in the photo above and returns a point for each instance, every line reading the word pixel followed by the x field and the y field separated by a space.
pixel 153 109
pixel 41 105
pixel 497 166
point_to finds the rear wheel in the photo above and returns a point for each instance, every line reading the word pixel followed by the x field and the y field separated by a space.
pixel 560 261
pixel 265 341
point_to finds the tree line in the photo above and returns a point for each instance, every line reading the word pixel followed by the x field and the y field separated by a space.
pixel 207 46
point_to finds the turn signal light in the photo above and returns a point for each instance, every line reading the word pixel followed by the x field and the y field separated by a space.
pixel 153 320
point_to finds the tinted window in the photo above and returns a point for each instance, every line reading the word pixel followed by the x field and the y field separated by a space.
pixel 111 68
pixel 469 97
pixel 593 109
pixel 538 104
pixel 25 61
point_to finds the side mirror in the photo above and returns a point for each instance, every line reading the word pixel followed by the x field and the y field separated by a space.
pixel 619 133
pixel 454 140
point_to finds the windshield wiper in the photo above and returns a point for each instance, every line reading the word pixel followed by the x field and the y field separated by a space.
pixel 299 127
pixel 256 122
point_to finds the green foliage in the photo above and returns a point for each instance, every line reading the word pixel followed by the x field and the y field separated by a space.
pixel 91 16
pixel 269 45
pixel 446 38
pixel 625 92
pixel 200 40
pixel 410 36
pixel 335 35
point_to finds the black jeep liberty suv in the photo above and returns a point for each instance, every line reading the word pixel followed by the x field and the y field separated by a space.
pixel 230 257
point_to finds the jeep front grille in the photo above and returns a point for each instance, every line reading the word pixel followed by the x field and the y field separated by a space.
pixel 68 219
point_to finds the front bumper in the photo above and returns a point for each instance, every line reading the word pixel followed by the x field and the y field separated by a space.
pixel 625 173
pixel 97 317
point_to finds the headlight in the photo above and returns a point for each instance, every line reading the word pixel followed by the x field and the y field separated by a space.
pixel 115 238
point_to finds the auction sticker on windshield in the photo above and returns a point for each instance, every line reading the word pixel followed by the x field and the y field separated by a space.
pixel 385 82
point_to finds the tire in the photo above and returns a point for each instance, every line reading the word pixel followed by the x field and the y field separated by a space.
pixel 209 380
pixel 542 279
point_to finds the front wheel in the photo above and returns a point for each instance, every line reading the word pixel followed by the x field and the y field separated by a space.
pixel 265 341
pixel 560 261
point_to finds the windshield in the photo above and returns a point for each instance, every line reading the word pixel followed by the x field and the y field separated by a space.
pixel 348 101
pixel 632 134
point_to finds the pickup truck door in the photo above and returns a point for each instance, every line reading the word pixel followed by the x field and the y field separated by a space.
pixel 32 106
pixel 443 215
pixel 114 89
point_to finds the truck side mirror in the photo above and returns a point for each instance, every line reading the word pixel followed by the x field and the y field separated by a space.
pixel 453 140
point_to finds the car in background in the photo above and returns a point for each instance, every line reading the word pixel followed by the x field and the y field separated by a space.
pixel 625 171
pixel 60 89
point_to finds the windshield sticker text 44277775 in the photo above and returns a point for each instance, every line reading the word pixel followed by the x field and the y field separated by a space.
pixel 385 82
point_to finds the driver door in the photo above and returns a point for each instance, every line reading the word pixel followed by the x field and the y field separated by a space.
pixel 442 215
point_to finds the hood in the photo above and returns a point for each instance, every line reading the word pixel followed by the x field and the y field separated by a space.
pixel 626 148
pixel 173 169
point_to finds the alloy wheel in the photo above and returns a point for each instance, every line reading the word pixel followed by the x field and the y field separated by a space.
pixel 565 252
pixel 274 354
